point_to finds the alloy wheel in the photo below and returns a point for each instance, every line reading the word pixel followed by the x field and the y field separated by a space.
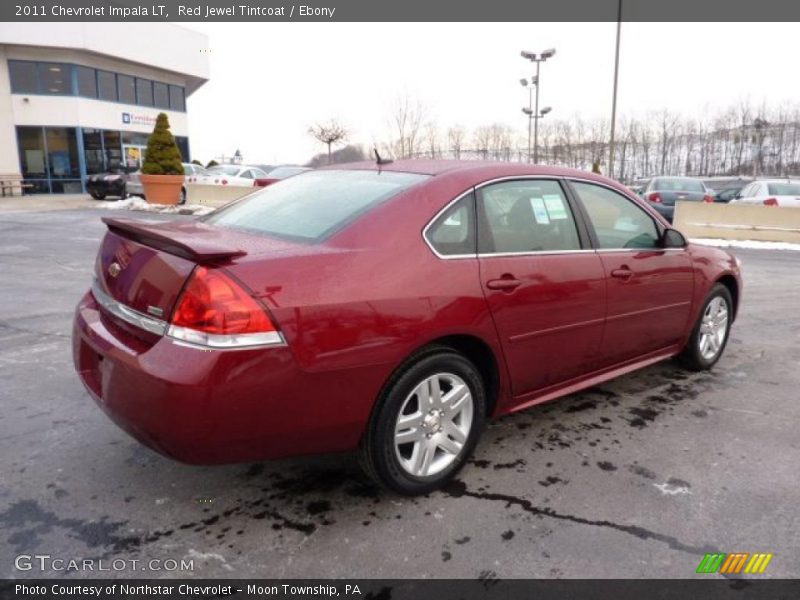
pixel 433 424
pixel 713 328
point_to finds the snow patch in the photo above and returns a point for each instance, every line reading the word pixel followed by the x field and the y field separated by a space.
pixel 141 205
pixel 210 556
pixel 752 244
pixel 672 489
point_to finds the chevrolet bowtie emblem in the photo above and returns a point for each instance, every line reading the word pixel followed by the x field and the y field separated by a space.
pixel 114 269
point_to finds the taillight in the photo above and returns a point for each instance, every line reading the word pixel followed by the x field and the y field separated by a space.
pixel 708 198
pixel 654 197
pixel 771 202
pixel 215 311
pixel 224 182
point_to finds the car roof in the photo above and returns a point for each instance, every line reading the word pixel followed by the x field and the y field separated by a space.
pixel 443 166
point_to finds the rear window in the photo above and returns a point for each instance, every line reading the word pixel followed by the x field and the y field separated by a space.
pixel 283 172
pixel 313 205
pixel 784 189
pixel 678 185
pixel 230 170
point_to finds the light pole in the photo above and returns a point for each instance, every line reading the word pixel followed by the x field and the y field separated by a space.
pixel 614 97
pixel 535 114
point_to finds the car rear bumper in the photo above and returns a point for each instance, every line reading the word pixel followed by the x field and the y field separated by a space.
pixel 210 406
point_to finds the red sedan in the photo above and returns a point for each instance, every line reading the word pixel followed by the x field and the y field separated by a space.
pixel 390 309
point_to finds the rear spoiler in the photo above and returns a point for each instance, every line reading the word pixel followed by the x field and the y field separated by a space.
pixel 187 239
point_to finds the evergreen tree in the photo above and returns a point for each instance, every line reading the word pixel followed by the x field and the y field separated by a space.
pixel 162 157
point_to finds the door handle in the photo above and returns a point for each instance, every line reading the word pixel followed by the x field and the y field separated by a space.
pixel 624 273
pixel 506 283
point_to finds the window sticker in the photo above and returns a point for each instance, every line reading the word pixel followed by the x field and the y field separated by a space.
pixel 555 206
pixel 540 211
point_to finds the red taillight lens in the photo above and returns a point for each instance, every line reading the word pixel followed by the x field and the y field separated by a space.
pixel 654 197
pixel 708 198
pixel 224 182
pixel 771 202
pixel 214 311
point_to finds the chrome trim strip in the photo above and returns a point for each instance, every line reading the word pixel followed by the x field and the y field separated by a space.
pixel 211 341
pixel 127 314
pixel 433 220
pixel 535 253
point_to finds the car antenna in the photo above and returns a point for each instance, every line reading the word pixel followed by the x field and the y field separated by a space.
pixel 381 161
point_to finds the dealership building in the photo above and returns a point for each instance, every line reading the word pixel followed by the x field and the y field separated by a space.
pixel 79 98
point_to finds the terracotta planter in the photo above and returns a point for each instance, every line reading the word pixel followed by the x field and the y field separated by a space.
pixel 162 189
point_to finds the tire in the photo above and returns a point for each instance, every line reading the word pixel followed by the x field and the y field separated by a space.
pixel 97 195
pixel 123 193
pixel 182 200
pixel 441 438
pixel 709 338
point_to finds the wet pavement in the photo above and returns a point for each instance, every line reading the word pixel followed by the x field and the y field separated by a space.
pixel 639 477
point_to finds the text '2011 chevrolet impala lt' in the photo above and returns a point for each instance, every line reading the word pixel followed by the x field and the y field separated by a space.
pixel 389 309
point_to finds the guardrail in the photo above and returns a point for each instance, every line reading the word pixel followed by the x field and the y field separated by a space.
pixel 738 221
pixel 216 195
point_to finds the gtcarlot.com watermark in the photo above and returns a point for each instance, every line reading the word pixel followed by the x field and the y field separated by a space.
pixel 46 562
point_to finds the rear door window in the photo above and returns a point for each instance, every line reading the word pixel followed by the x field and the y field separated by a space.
pixel 314 205
pixel 522 216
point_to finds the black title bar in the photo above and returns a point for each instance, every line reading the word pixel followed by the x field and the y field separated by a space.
pixel 404 10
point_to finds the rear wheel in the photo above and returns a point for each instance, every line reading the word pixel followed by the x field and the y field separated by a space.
pixel 182 200
pixel 710 334
pixel 97 195
pixel 427 423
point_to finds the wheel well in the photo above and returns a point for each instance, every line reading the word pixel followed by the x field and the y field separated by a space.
pixel 481 355
pixel 729 281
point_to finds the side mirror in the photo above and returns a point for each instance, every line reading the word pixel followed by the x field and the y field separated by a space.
pixel 672 238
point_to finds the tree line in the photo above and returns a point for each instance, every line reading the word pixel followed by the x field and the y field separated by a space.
pixel 737 140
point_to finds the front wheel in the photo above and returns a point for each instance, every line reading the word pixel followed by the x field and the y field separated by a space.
pixel 426 424
pixel 710 334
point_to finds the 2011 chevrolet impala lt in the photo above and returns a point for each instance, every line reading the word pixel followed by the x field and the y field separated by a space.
pixel 389 308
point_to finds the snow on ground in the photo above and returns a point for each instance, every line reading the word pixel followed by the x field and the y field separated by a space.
pixel 752 244
pixel 139 204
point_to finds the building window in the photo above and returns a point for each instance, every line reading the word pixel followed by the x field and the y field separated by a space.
pixel 87 81
pixel 176 98
pixel 112 144
pixel 144 92
pixel 30 142
pixel 161 95
pixel 62 152
pixel 23 77
pixel 127 89
pixel 183 146
pixel 55 78
pixel 106 86
pixel 93 151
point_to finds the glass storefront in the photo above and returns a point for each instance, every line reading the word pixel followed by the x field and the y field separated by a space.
pixel 56 160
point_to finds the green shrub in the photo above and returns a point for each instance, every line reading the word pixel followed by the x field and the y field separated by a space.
pixel 211 163
pixel 162 157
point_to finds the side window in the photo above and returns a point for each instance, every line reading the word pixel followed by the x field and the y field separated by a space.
pixel 453 232
pixel 748 190
pixel 618 222
pixel 248 174
pixel 527 215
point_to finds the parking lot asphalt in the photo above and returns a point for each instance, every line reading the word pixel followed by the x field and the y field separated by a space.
pixel 636 478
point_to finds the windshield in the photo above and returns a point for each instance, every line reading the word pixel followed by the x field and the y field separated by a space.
pixel 313 205
pixel 784 189
pixel 226 169
pixel 668 184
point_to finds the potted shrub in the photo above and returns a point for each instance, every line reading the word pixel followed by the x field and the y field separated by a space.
pixel 162 171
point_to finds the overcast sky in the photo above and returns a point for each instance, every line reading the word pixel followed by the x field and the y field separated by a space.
pixel 270 81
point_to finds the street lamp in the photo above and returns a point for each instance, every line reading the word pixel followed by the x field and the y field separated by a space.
pixel 533 106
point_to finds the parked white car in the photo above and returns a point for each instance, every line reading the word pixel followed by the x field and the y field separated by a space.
pixel 770 192
pixel 243 175
pixel 192 172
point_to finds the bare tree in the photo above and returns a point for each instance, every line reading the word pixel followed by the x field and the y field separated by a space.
pixel 456 137
pixel 408 115
pixel 329 133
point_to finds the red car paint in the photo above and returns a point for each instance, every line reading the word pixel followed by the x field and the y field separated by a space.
pixel 353 308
